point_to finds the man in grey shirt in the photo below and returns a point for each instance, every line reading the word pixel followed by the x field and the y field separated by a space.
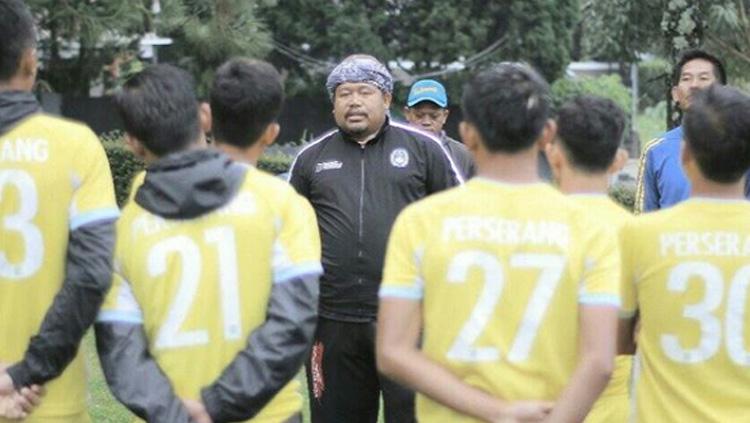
pixel 427 108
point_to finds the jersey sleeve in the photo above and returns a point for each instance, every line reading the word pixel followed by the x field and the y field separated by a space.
pixel 120 304
pixel 627 280
pixel 94 194
pixel 402 274
pixel 600 284
pixel 296 250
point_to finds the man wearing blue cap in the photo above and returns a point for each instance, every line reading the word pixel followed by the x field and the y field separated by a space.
pixel 427 108
pixel 358 177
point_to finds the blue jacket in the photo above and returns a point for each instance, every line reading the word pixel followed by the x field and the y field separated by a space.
pixel 661 180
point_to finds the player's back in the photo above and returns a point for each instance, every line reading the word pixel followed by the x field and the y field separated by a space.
pixel 613 405
pixel 502 270
pixel 687 269
pixel 54 178
pixel 203 283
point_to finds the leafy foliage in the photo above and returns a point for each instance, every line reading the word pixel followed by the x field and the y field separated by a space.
pixel 624 195
pixel 418 38
pixel 608 86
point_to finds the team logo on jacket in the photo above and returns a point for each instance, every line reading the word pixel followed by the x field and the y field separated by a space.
pixel 399 157
pixel 330 165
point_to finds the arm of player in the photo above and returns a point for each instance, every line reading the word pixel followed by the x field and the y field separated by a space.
pixel 398 357
pixel 133 376
pixel 274 354
pixel 595 364
pixel 88 273
pixel 626 326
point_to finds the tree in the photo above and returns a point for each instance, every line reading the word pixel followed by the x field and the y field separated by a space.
pixel 419 38
pixel 208 32
pixel 78 37
pixel 618 30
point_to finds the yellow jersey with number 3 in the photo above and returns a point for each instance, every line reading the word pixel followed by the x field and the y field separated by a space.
pixel 54 178
pixel 501 271
pixel 686 270
pixel 201 286
pixel 613 405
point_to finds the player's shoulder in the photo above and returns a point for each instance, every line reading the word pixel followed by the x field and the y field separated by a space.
pixel 59 127
pixel 647 224
pixel 274 190
pixel 432 206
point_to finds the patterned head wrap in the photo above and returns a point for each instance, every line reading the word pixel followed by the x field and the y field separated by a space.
pixel 360 68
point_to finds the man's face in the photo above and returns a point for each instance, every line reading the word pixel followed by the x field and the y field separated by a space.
pixel 428 116
pixel 696 74
pixel 360 108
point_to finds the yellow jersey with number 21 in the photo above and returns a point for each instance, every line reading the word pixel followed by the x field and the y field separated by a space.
pixel 201 286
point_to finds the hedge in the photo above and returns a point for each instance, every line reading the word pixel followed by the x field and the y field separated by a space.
pixel 624 194
pixel 124 165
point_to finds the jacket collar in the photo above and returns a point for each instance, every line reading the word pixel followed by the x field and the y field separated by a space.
pixel 16 106
pixel 383 129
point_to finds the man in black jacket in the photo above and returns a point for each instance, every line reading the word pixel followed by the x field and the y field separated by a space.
pixel 217 263
pixel 57 213
pixel 358 177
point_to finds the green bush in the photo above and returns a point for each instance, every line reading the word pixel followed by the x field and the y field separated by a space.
pixel 276 163
pixel 124 165
pixel 624 194
pixel 608 86
pixel 652 77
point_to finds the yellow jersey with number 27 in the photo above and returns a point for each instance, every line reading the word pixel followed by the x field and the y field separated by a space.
pixel 501 271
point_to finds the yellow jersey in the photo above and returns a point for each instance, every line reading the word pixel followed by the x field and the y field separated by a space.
pixel 201 286
pixel 686 271
pixel 501 271
pixel 613 405
pixel 54 178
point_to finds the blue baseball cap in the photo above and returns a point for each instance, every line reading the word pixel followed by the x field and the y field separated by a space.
pixel 427 90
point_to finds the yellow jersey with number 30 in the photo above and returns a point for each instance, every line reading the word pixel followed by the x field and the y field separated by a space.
pixel 201 286
pixel 686 270
pixel 613 405
pixel 54 178
pixel 501 271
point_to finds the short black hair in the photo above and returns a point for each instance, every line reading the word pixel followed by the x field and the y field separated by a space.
pixel 159 107
pixel 246 97
pixel 590 130
pixel 509 104
pixel 717 131
pixel 694 54
pixel 17 34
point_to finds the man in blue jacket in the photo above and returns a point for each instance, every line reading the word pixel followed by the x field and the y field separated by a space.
pixel 661 180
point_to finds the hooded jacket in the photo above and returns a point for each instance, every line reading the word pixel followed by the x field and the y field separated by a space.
pixel 187 185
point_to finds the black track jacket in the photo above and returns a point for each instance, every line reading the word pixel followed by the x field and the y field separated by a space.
pixel 357 191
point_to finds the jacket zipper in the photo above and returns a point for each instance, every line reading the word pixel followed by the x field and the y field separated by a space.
pixel 361 196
